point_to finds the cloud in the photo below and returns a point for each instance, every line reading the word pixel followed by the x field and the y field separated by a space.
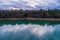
pixel 30 4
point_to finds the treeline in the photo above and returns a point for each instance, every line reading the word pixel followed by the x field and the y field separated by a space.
pixel 30 13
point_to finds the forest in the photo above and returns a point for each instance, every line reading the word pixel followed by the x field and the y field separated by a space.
pixel 30 13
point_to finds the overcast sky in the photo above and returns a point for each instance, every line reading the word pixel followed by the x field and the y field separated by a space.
pixel 29 4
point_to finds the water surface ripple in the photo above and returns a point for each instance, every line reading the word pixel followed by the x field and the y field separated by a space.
pixel 29 32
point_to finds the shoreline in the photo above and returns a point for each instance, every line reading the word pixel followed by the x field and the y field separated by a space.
pixel 51 19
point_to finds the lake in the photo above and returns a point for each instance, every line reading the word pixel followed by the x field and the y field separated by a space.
pixel 29 30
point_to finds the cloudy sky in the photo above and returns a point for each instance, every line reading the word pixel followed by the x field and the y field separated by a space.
pixel 29 4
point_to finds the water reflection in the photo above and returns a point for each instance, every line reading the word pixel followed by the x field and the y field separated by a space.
pixel 30 32
pixel 40 22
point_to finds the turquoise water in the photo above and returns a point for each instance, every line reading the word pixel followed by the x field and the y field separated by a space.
pixel 29 30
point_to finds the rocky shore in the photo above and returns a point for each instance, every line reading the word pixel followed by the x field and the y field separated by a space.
pixel 52 19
